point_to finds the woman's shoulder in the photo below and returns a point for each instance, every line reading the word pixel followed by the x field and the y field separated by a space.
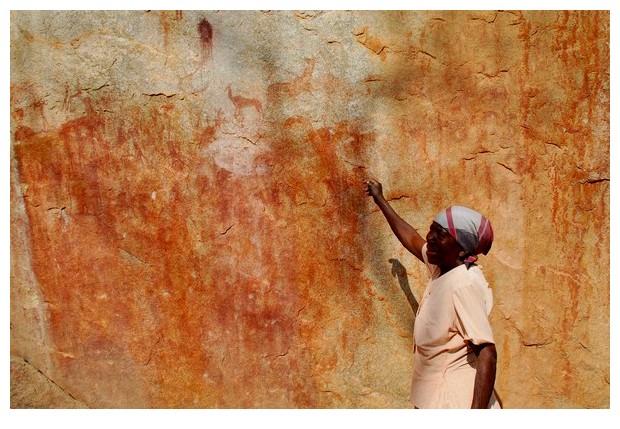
pixel 469 277
pixel 472 288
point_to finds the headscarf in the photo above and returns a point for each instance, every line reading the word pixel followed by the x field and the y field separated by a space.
pixel 469 228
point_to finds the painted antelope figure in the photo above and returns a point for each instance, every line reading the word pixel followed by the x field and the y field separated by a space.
pixel 241 103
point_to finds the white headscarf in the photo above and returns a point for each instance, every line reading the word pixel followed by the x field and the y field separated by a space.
pixel 470 229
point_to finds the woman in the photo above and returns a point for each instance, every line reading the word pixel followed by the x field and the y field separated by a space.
pixel 454 350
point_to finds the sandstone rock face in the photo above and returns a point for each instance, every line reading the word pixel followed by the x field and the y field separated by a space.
pixel 31 389
pixel 189 228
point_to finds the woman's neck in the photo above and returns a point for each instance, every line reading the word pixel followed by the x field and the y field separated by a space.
pixel 445 269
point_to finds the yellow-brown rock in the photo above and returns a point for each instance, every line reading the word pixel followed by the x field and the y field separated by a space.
pixel 189 228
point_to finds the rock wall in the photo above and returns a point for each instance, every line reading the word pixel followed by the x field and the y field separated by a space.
pixel 189 228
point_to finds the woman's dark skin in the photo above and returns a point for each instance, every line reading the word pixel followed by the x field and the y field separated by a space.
pixel 444 251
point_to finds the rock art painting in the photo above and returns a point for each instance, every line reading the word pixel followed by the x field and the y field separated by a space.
pixel 189 227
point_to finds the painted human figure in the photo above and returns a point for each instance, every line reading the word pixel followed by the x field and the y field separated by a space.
pixel 454 349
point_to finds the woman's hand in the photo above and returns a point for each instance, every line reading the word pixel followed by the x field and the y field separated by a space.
pixel 373 188
pixel 405 233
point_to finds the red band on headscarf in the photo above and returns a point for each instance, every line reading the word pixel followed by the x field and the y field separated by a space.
pixel 450 222
pixel 485 236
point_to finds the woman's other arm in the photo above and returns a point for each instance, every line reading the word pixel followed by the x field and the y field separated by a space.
pixel 485 375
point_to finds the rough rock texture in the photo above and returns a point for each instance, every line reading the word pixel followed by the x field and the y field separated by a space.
pixel 32 389
pixel 189 229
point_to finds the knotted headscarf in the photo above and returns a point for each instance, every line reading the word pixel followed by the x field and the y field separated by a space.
pixel 470 229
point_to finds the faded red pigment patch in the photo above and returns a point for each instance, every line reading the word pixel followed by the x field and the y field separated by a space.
pixel 120 261
pixel 193 283
pixel 168 20
pixel 323 203
pixel 572 177
pixel 82 281
pixel 23 133
pixel 205 32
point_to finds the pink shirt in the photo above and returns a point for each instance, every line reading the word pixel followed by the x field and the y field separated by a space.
pixel 454 309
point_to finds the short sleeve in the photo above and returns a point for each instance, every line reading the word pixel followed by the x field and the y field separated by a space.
pixel 472 304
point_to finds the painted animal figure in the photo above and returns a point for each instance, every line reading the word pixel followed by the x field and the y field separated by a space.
pixel 241 103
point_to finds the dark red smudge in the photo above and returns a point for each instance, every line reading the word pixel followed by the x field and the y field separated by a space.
pixel 206 35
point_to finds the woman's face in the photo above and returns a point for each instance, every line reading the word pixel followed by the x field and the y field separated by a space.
pixel 442 249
